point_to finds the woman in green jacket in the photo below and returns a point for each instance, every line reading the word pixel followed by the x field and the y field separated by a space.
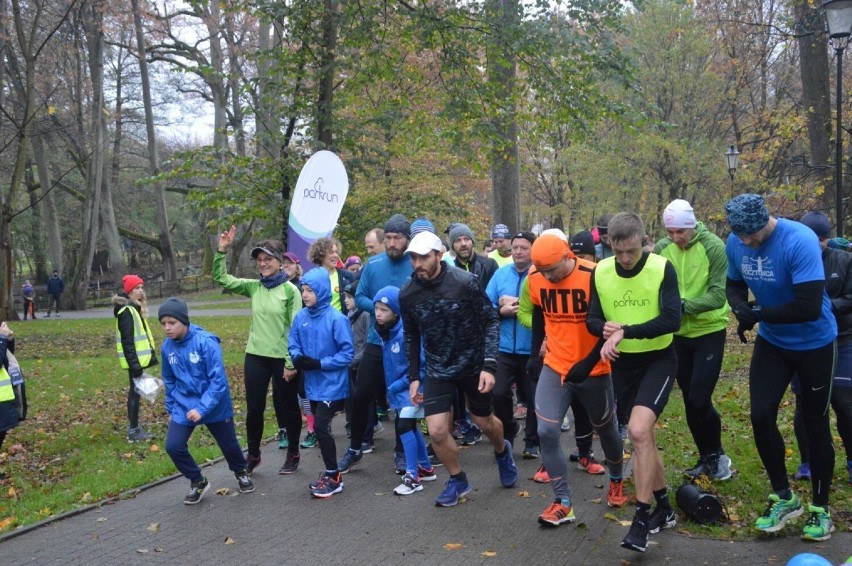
pixel 274 303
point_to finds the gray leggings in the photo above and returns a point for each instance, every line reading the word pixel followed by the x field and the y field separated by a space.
pixel 552 399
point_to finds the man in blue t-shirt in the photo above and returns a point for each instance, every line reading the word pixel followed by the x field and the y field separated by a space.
pixel 780 262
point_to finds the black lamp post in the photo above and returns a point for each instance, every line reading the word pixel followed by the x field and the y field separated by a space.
pixel 838 15
pixel 732 159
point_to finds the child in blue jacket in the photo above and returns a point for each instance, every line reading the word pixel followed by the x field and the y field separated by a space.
pixel 197 392
pixel 321 345
pixel 389 327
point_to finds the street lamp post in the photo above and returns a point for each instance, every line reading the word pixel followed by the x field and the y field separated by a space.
pixel 732 159
pixel 838 16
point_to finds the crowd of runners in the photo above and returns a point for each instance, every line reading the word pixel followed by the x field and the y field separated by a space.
pixel 448 341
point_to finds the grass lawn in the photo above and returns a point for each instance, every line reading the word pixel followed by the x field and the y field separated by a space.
pixel 72 450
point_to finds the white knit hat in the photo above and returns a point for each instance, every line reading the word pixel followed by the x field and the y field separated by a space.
pixel 679 214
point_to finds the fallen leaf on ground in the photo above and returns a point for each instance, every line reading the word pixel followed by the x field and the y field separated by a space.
pixel 229 540
pixel 158 549
pixel 523 494
pixel 154 448
pixel 142 550
pixel 489 554
pixel 154 527
pixel 101 519
pixel 595 500
pixel 453 546
pixel 86 497
pixel 6 522
pixel 12 493
pixel 223 491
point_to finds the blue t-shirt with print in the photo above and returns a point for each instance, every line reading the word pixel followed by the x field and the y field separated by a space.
pixel 791 255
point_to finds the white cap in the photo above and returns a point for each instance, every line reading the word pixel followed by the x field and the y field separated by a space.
pixel 425 242
pixel 679 214
pixel 556 232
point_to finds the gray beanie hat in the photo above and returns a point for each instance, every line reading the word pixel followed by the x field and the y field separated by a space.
pixel 458 231
pixel 398 224
pixel 175 308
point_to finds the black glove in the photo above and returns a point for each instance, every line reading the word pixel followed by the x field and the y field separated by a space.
pixel 748 314
pixel 136 372
pixel 534 365
pixel 306 363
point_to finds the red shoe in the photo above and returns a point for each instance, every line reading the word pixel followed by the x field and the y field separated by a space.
pixel 557 514
pixel 541 475
pixel 591 465
pixel 616 496
pixel 253 462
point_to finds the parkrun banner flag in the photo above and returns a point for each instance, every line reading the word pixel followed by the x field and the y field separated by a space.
pixel 317 201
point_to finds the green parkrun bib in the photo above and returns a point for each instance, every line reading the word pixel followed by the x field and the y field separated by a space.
pixel 633 301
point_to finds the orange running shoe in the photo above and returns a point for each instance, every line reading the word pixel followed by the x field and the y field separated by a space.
pixel 591 465
pixel 557 514
pixel 616 496
pixel 541 475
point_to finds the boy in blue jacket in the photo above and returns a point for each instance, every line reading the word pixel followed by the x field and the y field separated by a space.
pixel 389 327
pixel 321 345
pixel 197 392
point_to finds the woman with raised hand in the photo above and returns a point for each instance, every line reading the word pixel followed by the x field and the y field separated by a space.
pixel 274 303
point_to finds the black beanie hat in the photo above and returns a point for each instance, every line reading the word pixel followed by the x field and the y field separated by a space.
pixel 175 308
pixel 398 224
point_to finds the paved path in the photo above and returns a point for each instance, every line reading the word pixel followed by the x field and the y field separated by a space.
pixel 367 524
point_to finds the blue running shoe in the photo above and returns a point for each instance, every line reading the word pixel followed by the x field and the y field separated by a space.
pixel 506 466
pixel 453 491
pixel 349 459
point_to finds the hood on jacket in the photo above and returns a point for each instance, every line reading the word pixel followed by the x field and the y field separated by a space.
pixel 120 301
pixel 317 279
pixel 390 296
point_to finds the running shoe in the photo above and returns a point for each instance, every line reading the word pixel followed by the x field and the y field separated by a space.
pixel 328 486
pixel 426 474
pixel 719 466
pixel 778 512
pixel 541 475
pixel 453 491
pixel 616 496
pixel 409 485
pixel 253 462
pixel 246 485
pixel 637 536
pixel 399 463
pixel 818 527
pixel 592 466
pixel 349 459
pixel 506 466
pixel 556 514
pixel 662 517
pixel 283 440
pixel 196 491
pixel 291 464
pixel 531 453
pixel 310 440
pixel 700 468
pixel 804 471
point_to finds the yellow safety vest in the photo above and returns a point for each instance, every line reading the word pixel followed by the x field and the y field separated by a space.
pixel 143 341
pixel 7 392
pixel 634 300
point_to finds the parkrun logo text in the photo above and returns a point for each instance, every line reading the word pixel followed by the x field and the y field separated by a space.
pixel 317 193
pixel 628 300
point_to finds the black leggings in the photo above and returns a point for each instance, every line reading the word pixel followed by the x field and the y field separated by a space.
pixel 512 368
pixel 132 403
pixel 770 373
pixel 259 370
pixel 699 362
pixel 323 414
pixel 841 402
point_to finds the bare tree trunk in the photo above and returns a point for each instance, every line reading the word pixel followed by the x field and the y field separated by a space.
pixel 325 104
pixel 35 226
pixel 502 78
pixel 92 20
pixel 166 248
pixel 48 203
pixel 816 100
